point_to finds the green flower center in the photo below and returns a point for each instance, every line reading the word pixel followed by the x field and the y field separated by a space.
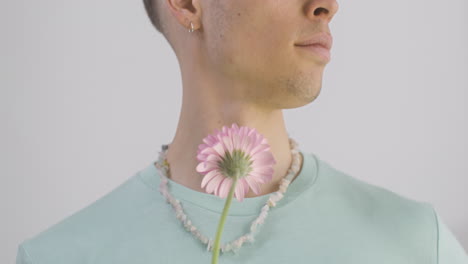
pixel 235 164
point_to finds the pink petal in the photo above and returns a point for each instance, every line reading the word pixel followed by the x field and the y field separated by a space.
pixel 261 177
pixel 245 143
pixel 209 140
pixel 224 188
pixel 257 137
pixel 264 158
pixel 219 149
pixel 241 133
pixel 252 131
pixel 213 157
pixel 228 143
pixel 229 134
pixel 201 147
pixel 214 183
pixel 218 190
pixel 246 186
pixel 239 191
pixel 219 137
pixel 263 170
pixel 251 181
pixel 210 175
pixel 235 128
pixel 246 131
pixel 201 157
pixel 206 166
pixel 208 150
pixel 249 146
pixel 258 148
pixel 253 143
pixel 235 141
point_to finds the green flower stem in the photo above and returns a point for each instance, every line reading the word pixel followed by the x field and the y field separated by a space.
pixel 214 260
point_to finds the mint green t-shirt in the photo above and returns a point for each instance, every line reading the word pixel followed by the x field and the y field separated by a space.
pixel 326 217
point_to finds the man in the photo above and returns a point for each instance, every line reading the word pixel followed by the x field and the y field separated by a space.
pixel 243 61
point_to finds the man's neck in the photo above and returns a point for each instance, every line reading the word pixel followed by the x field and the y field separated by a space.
pixel 181 156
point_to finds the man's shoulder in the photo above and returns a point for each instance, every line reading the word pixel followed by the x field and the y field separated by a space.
pixel 91 227
pixel 359 191
pixel 378 215
pixel 379 207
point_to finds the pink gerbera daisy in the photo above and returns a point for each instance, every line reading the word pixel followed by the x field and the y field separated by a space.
pixel 235 152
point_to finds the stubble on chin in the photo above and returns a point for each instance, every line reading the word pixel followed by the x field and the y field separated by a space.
pixel 300 88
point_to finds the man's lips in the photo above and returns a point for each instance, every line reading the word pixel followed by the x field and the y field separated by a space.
pixel 322 38
pixel 320 44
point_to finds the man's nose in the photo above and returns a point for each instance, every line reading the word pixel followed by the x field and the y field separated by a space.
pixel 321 9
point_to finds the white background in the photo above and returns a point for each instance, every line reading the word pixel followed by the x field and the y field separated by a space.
pixel 89 92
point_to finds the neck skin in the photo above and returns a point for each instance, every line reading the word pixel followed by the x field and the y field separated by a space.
pixel 210 101
pixel 192 128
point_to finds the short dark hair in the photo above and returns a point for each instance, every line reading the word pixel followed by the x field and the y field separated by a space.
pixel 152 9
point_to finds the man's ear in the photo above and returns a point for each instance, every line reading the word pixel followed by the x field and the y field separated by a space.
pixel 186 11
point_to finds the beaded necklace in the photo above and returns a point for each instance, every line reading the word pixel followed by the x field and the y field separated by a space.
pixel 163 166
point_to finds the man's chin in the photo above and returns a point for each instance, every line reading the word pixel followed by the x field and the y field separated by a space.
pixel 310 95
pixel 300 101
